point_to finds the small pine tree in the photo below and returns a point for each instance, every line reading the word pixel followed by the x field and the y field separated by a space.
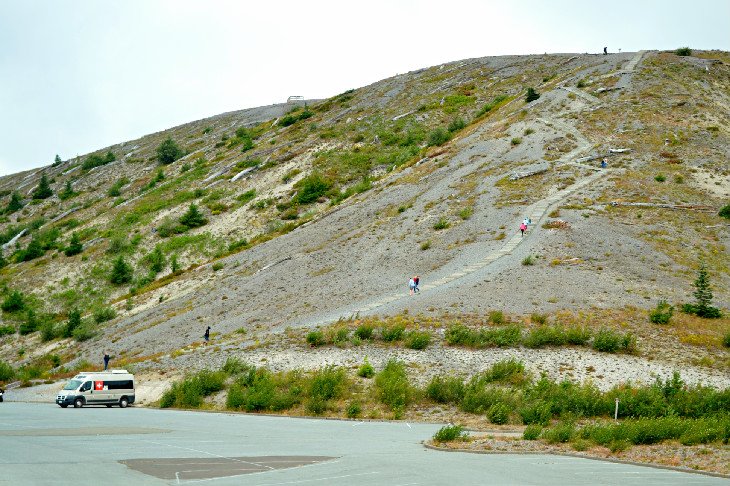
pixel 3 261
pixel 193 218
pixel 109 157
pixel 532 95
pixel 14 204
pixel 156 260
pixel 168 152
pixel 43 191
pixel 725 212
pixel 121 272
pixel 74 321
pixel 14 302
pixel 74 246
pixel 174 265
pixel 68 191
pixel 703 294
pixel 32 251
pixel 30 325
pixel 57 161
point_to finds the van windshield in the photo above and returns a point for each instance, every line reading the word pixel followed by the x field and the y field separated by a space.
pixel 73 385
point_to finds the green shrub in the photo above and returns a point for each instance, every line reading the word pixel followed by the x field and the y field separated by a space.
pixel 495 103
pixel 507 371
pixel 531 95
pixel 315 338
pixel 515 141
pixel 438 137
pixel 393 387
pixel 683 51
pixel 725 212
pixel 460 335
pixel 366 370
pixel 466 213
pixel 84 332
pixel 189 392
pixel 456 125
pixel 577 335
pixel 449 433
pixel 446 389
pixel 537 412
pixel 74 321
pixel 311 188
pixel 499 413
pixel 328 383
pixel 532 432
pixel 607 341
pixel 353 410
pixel 496 317
pixel 562 433
pixel 662 313
pixel 528 260
pixel 418 340
pixel 480 396
pixel 726 340
pixel 660 178
pixel 234 366
pixel 392 333
pixel 30 324
pixel 364 331
pixel 7 372
pixel 442 223
pixel 537 318
pixel 103 314
pixel 545 336
pixel 168 151
pixel 7 330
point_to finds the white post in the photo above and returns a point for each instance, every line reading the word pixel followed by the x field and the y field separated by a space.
pixel 615 414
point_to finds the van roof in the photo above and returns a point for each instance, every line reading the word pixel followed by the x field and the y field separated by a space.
pixel 106 372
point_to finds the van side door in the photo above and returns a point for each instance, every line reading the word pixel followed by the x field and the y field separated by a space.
pixel 86 391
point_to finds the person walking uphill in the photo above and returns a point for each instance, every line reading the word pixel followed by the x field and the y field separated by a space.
pixel 416 280
pixel 207 334
pixel 106 360
pixel 411 286
pixel 523 228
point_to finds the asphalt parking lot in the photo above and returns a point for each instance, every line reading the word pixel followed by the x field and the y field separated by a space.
pixel 43 444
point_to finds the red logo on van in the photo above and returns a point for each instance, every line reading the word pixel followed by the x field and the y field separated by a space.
pixel 98 385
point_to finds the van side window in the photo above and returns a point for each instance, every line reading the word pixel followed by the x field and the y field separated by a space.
pixel 86 387
pixel 119 385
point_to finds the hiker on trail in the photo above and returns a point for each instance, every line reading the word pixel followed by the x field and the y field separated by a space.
pixel 604 164
pixel 523 228
pixel 605 51
pixel 416 279
pixel 411 286
pixel 106 360
pixel 526 221
pixel 207 334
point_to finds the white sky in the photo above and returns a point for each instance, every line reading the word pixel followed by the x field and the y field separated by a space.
pixel 80 75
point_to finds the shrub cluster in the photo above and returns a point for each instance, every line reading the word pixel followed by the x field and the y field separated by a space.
pixel 341 335
pixel 189 392
pixel 449 433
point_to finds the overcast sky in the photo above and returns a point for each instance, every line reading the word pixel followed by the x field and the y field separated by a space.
pixel 76 76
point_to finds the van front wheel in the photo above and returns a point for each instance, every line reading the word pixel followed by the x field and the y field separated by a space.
pixel 78 403
pixel 123 402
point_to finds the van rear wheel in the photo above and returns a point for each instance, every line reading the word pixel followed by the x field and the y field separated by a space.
pixel 123 402
pixel 78 403
pixel 63 405
pixel 108 405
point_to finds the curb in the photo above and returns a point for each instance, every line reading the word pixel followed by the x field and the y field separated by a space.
pixel 579 456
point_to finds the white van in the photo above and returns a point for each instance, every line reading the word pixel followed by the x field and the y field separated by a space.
pixel 113 387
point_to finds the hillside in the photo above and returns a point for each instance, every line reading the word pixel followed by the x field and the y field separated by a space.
pixel 319 211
